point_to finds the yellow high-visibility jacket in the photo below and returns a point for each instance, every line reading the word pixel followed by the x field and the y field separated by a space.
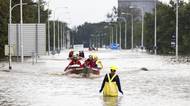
pixel 110 88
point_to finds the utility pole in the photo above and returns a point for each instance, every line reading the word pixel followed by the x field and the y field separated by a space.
pixel 116 33
pixel 155 29
pixel 21 32
pixel 112 34
pixel 142 34
pixel 10 22
pixel 125 34
pixel 120 34
pixel 142 39
pixel 39 11
pixel 58 33
pixel 132 36
pixel 131 27
pixel 61 36
pixel 53 37
pixel 177 16
pixel 48 32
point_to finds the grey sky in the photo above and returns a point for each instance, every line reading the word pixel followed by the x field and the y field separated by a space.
pixel 76 12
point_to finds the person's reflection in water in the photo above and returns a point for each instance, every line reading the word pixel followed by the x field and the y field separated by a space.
pixel 111 101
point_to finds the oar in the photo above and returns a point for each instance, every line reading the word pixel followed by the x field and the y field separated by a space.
pixel 66 68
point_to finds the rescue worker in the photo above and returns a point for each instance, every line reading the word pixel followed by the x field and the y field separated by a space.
pixel 111 83
pixel 71 68
pixel 96 63
pixel 75 61
pixel 88 62
pixel 71 53
pixel 87 65
pixel 81 54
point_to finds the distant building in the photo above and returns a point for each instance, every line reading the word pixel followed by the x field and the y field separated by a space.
pixel 147 5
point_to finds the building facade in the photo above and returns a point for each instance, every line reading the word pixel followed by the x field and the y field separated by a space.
pixel 147 5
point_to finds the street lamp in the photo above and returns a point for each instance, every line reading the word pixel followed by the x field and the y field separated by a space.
pixel 58 33
pixel 63 35
pixel 59 38
pixel 177 22
pixel 114 24
pixel 21 32
pixel 10 12
pixel 125 32
pixel 38 11
pixel 61 27
pixel 112 28
pixel 111 34
pixel 48 31
pixel 155 29
pixel 105 27
pixel 54 30
pixel 10 22
pixel 21 22
pixel 120 34
pixel 142 35
pixel 116 32
pixel 132 37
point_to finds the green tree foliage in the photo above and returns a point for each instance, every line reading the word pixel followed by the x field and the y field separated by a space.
pixel 3 24
pixel 88 31
pixel 166 28
pixel 166 21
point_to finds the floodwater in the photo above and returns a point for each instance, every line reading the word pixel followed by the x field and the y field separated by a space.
pixel 164 84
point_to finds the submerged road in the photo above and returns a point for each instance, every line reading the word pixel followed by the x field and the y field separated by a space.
pixel 164 84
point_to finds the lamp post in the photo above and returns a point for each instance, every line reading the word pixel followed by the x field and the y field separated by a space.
pixel 48 32
pixel 53 51
pixel 125 31
pixel 116 32
pixel 38 11
pixel 9 31
pixel 61 36
pixel 107 27
pixel 112 31
pixel 54 29
pixel 155 29
pixel 142 35
pixel 120 34
pixel 177 16
pixel 21 32
pixel 10 23
pixel 111 34
pixel 132 37
pixel 58 34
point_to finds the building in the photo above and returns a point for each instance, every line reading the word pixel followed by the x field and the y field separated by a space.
pixel 147 5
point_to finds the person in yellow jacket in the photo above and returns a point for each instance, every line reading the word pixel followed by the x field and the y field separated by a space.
pixel 97 62
pixel 111 83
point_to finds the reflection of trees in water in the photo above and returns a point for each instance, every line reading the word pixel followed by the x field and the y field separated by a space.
pixel 111 101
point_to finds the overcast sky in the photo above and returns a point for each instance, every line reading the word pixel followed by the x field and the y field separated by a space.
pixel 76 12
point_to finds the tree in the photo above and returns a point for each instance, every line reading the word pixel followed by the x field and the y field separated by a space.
pixel 166 28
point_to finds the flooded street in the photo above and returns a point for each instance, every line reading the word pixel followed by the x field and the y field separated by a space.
pixel 164 84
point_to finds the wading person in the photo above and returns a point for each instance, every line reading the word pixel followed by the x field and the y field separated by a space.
pixel 111 83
